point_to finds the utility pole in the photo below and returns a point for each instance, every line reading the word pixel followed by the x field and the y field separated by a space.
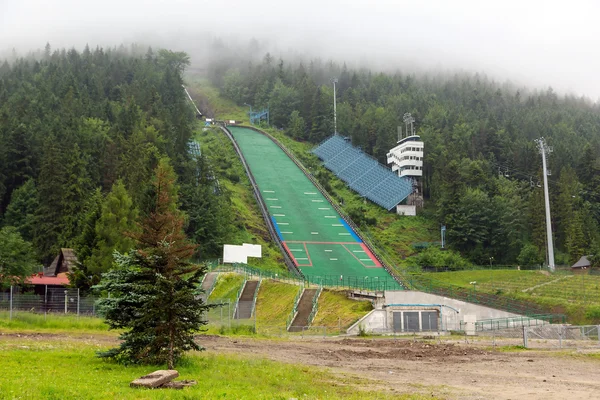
pixel 544 151
pixel 334 81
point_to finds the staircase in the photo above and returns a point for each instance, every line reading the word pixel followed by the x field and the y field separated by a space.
pixel 208 284
pixel 246 301
pixel 305 306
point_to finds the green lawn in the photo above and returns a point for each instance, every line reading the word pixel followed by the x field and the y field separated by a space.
pixel 227 287
pixel 576 296
pixel 274 303
pixel 34 368
pixel 337 310
pixel 24 321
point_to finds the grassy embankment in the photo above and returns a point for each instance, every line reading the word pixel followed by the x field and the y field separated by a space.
pixel 46 368
pixel 337 311
pixel 576 296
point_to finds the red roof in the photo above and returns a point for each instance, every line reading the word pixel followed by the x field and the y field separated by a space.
pixel 39 279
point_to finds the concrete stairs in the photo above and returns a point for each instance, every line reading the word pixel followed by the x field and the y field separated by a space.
pixel 246 301
pixel 305 306
pixel 208 284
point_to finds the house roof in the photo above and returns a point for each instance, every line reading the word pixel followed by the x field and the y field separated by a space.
pixel 39 279
pixel 64 262
pixel 582 263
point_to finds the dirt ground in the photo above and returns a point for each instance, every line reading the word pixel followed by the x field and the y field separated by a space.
pixel 444 370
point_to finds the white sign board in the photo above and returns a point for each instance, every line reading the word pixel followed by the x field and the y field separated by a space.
pixel 239 254
pixel 254 250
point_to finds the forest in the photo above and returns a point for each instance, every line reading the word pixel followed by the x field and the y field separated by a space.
pixel 482 173
pixel 81 134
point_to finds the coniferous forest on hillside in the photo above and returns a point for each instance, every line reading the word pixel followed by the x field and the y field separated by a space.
pixel 482 172
pixel 81 134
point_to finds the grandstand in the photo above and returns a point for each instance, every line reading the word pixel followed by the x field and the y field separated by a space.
pixel 363 173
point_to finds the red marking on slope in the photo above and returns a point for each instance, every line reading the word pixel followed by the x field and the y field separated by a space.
pixel 352 254
pixel 290 253
pixel 294 258
pixel 371 256
pixel 307 255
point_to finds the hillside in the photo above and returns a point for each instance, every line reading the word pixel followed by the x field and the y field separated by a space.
pixel 394 234
pixel 482 171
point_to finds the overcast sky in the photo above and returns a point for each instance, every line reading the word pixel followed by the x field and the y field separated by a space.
pixel 530 42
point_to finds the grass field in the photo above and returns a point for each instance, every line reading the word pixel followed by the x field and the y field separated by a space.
pixel 24 321
pixel 38 368
pixel 274 303
pixel 576 296
pixel 336 310
pixel 227 287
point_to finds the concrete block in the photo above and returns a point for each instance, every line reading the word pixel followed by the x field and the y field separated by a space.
pixel 155 379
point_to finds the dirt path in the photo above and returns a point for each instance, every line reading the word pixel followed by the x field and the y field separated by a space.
pixel 447 370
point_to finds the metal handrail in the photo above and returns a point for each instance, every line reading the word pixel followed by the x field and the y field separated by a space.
pixel 255 296
pixel 315 306
pixel 292 315
pixel 237 297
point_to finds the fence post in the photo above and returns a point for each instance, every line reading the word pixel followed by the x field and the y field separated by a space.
pixel 525 341
pixel 11 303
pixel 66 300
pixel 78 300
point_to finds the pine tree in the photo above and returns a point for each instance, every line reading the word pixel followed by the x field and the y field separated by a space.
pixel 118 218
pixel 154 289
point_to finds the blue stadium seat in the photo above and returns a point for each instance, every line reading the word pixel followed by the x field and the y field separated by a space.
pixel 363 173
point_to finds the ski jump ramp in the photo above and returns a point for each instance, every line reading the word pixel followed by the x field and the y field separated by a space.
pixel 317 239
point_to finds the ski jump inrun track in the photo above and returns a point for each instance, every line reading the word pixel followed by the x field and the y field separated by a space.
pixel 316 237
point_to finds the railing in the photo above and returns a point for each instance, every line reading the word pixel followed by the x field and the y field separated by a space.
pixel 237 297
pixel 471 295
pixel 315 306
pixel 211 288
pixel 514 322
pixel 294 309
pixel 255 296
pixel 333 203
pixel 263 209
pixel 253 271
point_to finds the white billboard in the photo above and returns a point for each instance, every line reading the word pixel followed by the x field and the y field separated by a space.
pixel 239 254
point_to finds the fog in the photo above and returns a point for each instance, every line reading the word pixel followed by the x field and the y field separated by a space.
pixel 532 43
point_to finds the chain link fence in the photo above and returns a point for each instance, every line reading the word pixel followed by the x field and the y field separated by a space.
pixel 50 301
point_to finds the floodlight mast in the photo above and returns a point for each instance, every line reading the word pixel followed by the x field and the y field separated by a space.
pixel 334 81
pixel 544 151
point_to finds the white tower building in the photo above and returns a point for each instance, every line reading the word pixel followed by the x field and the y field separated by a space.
pixel 407 160
pixel 407 157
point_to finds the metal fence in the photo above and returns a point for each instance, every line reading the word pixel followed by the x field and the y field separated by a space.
pixel 562 336
pixel 52 300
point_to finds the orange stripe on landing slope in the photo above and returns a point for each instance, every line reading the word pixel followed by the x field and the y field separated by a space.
pixel 371 256
pixel 289 253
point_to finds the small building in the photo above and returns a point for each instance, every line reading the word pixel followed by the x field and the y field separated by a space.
pixel 582 266
pixel 64 262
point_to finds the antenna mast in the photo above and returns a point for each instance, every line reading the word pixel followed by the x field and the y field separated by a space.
pixel 334 81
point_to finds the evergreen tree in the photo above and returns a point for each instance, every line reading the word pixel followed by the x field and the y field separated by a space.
pixel 112 229
pixel 154 289
pixel 21 210
pixel 17 258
